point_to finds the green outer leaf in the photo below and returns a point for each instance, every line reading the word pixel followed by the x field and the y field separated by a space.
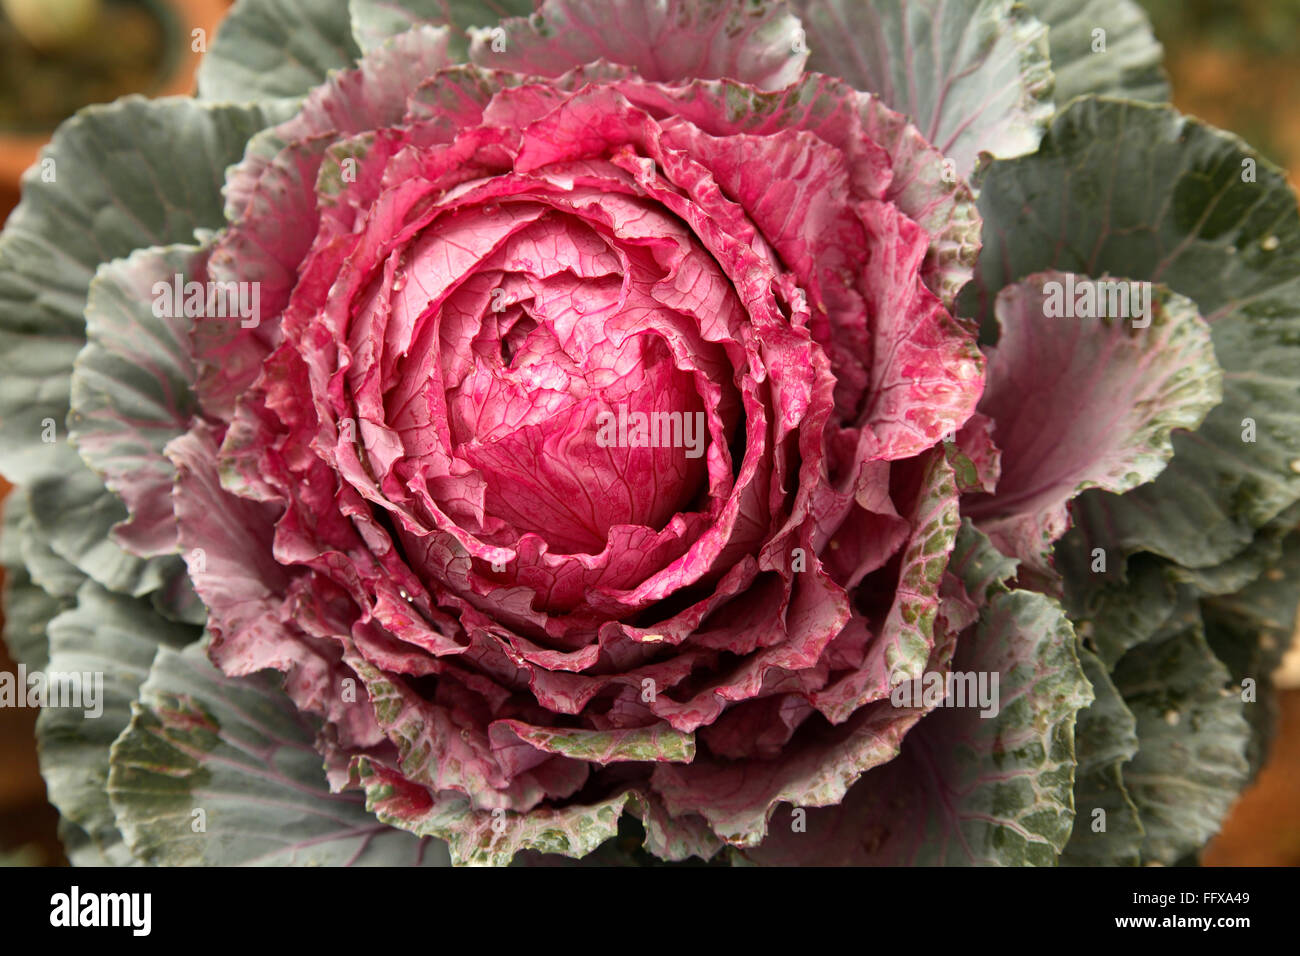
pixel 239 750
pixel 114 636
pixel 1192 737
pixel 1138 190
pixel 982 568
pixel 37 557
pixel 131 174
pixel 1129 67
pixel 1242 569
pixel 1248 604
pixel 1250 632
pixel 1116 612
pixel 177 601
pixel 1011 775
pixel 374 21
pixel 269 49
pixel 972 74
pixel 81 850
pixel 1105 739
pixel 28 608
pixel 74 515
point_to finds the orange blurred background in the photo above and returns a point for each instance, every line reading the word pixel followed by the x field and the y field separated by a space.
pixel 1234 65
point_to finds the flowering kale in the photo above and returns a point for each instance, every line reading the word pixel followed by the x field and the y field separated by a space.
pixel 817 432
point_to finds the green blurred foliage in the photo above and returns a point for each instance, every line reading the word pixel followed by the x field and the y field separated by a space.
pixel 1236 63
pixel 1264 26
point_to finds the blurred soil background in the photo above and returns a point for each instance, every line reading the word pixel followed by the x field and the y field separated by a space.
pixel 1234 64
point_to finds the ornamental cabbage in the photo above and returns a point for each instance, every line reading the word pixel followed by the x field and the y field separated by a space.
pixel 653 431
